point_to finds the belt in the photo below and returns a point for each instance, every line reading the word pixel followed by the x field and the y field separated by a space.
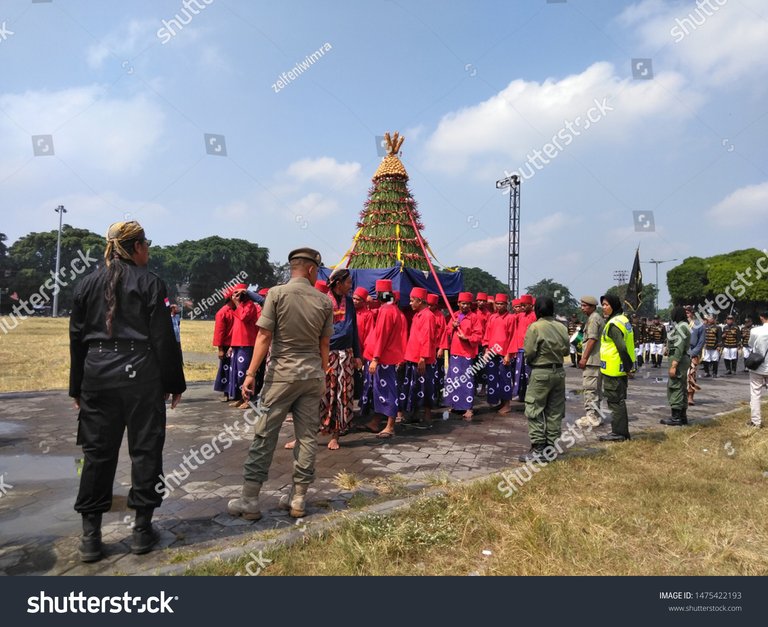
pixel 118 346
pixel 549 366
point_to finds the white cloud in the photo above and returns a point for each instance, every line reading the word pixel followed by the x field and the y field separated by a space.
pixel 744 207
pixel 536 233
pixel 324 170
pixel 124 43
pixel 713 43
pixel 307 190
pixel 91 131
pixel 526 114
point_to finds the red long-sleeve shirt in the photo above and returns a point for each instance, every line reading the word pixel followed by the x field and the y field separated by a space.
pixel 471 327
pixel 499 332
pixel 484 315
pixel 440 325
pixel 421 340
pixel 222 327
pixel 524 320
pixel 388 339
pixel 244 328
pixel 365 324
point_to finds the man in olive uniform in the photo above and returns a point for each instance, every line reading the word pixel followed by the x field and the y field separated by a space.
pixel 590 363
pixel 617 346
pixel 545 345
pixel 678 343
pixel 297 323
pixel 713 341
pixel 731 341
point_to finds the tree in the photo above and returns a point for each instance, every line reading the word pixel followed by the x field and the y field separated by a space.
pixel 565 303
pixel 282 272
pixel 478 280
pixel 386 234
pixel 33 260
pixel 733 281
pixel 647 307
pixel 205 265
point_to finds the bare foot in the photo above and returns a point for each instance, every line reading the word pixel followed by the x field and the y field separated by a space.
pixel 333 445
pixel 292 443
pixel 468 415
pixel 504 409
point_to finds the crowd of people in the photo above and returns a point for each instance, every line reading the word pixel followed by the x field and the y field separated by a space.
pixel 308 349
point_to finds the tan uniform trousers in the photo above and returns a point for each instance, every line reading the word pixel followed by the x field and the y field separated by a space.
pixel 302 398
pixel 593 391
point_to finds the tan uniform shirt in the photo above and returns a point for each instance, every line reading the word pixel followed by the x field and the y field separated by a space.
pixel 298 315
pixel 592 331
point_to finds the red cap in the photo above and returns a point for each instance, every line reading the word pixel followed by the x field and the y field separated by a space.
pixel 482 296
pixel 465 297
pixel 384 285
pixel 419 292
pixel 227 293
pixel 501 298
pixel 263 291
pixel 321 286
pixel 240 286
pixel 526 299
pixel 433 299
pixel 516 302
pixel 361 292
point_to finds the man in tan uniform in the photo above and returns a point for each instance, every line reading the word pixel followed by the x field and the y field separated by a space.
pixel 590 363
pixel 297 321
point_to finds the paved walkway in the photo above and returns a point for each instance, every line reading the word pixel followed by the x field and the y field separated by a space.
pixel 39 464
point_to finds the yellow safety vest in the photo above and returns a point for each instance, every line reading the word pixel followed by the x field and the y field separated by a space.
pixel 610 360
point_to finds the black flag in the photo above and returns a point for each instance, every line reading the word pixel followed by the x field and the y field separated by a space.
pixel 633 299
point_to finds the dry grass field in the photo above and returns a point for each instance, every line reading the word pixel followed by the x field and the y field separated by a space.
pixel 671 503
pixel 35 355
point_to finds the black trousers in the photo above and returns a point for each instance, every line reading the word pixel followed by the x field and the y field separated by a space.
pixel 104 416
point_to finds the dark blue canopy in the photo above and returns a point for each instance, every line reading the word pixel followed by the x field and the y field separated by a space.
pixel 403 280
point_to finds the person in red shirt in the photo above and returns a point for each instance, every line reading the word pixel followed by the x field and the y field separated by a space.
pixel 498 335
pixel 433 300
pixel 525 318
pixel 244 331
pixel 420 358
pixel 365 322
pixel 222 339
pixel 462 339
pixel 321 286
pixel 483 311
pixel 384 350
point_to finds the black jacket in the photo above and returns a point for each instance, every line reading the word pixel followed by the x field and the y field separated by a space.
pixel 142 316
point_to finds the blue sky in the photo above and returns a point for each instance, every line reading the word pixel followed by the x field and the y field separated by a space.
pixel 476 88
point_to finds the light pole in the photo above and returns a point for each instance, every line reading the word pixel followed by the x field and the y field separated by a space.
pixel 656 263
pixel 513 276
pixel 61 211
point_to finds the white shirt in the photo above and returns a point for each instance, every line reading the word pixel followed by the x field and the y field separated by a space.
pixel 758 341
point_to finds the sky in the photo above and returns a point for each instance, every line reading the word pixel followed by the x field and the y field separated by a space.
pixel 630 124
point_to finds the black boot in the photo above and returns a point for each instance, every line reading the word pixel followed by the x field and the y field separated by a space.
pixel 144 534
pixel 534 455
pixel 674 421
pixel 640 360
pixel 684 415
pixel 90 549
pixel 715 365
pixel 706 369
pixel 573 360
